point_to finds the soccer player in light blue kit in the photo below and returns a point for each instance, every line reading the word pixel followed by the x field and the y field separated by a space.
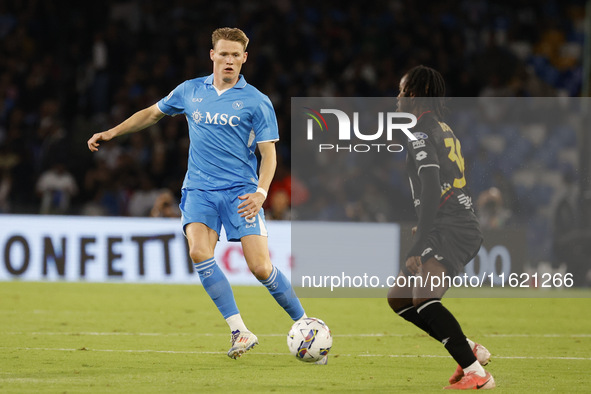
pixel 228 119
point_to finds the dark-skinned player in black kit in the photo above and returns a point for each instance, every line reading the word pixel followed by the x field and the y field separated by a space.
pixel 447 235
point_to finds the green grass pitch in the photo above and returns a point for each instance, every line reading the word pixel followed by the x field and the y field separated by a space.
pixel 86 337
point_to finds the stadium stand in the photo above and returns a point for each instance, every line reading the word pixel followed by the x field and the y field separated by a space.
pixel 69 70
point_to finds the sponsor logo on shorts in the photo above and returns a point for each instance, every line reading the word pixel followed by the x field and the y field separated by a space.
pixel 251 222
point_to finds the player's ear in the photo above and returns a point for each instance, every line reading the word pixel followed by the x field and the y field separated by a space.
pixel 245 57
pixel 211 52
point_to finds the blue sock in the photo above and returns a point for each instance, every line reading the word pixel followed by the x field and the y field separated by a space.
pixel 217 286
pixel 280 288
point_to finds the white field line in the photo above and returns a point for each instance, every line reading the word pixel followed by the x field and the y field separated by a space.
pixel 492 357
pixel 287 354
pixel 173 334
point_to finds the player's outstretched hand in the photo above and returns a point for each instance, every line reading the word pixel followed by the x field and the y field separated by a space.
pixel 251 204
pixel 414 230
pixel 93 142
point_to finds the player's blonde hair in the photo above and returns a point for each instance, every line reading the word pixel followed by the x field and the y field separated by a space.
pixel 230 34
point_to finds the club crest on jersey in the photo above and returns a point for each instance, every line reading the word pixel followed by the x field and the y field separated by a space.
pixel 237 105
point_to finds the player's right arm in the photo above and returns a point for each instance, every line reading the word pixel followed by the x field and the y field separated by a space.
pixel 136 122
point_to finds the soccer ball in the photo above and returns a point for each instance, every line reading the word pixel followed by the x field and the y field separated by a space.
pixel 309 339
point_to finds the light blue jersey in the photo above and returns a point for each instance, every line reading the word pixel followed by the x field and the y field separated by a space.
pixel 224 130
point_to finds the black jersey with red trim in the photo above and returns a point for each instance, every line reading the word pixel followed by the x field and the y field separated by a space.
pixel 437 146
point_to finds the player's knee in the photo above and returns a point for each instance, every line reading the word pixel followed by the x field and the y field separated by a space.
pixel 397 303
pixel 199 253
pixel 261 271
pixel 416 301
pixel 399 298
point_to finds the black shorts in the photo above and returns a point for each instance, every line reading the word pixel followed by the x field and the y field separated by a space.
pixel 454 242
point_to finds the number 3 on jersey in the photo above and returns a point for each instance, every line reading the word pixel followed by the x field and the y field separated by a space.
pixel 455 155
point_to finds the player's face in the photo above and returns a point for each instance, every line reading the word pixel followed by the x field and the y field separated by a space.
pixel 403 105
pixel 228 58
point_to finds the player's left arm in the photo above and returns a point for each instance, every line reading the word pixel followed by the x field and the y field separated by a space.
pixel 252 202
pixel 430 192
pixel 430 196
pixel 424 154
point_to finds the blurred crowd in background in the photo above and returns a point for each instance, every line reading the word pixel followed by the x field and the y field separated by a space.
pixel 70 69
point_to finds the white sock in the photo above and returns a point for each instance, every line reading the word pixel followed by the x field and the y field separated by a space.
pixel 471 343
pixel 475 367
pixel 235 322
pixel 303 316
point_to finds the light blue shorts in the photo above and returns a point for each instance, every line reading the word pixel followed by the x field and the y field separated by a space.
pixel 220 207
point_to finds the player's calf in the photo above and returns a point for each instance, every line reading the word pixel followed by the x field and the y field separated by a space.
pixel 280 288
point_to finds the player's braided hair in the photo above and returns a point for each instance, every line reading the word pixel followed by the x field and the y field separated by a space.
pixel 424 81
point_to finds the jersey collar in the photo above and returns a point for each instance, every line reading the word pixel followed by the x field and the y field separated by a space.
pixel 421 115
pixel 239 85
